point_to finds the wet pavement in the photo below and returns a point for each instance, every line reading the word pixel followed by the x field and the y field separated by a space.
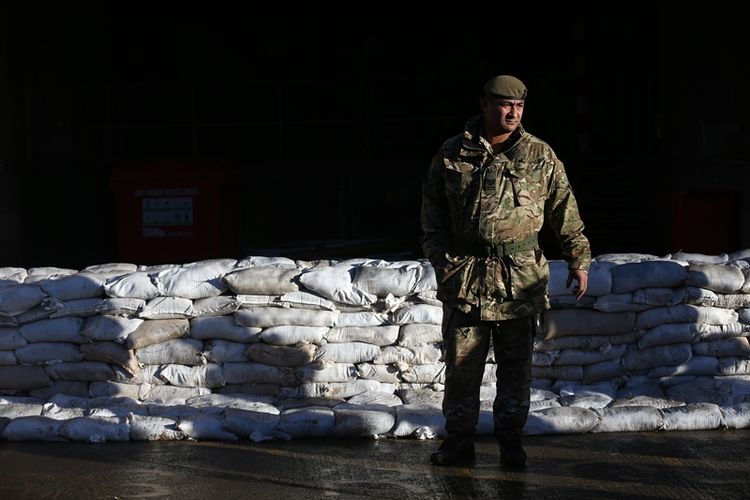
pixel 673 464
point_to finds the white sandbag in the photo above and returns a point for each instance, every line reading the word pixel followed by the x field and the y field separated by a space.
pixel 375 398
pixel 223 327
pixel 52 410
pixel 733 366
pixel 264 261
pixel 600 278
pixel 419 334
pixel 364 318
pixel 209 375
pixel 21 407
pixel 700 257
pixel 424 374
pixel 195 280
pixel 354 421
pixel 376 335
pixel 729 347
pixel 394 354
pixel 335 283
pixel 78 307
pixel 411 418
pixel 12 275
pixel 668 333
pixel 560 420
pixel 253 425
pixel 333 389
pixel 305 402
pixel 258 373
pixel 636 359
pixel 732 301
pixel 256 389
pixel 17 299
pixel 33 429
pixel 290 335
pixel 216 403
pixel 348 352
pixel 744 315
pixel 628 419
pixel 634 275
pixel 34 314
pixel 704 390
pixel 80 370
pixel 305 423
pixel 10 339
pixel 36 274
pixel 136 285
pixel 275 355
pixel 95 430
pixel 644 400
pixel 715 277
pixel 304 300
pixel 736 417
pixel 171 395
pixel 421 397
pixel 167 308
pixel 54 330
pixel 691 417
pixel 111 267
pixel 715 332
pixel 417 313
pixel 221 305
pixel 265 280
pixel 381 373
pixel 121 307
pixel 148 374
pixel 684 313
pixel 604 370
pixel 278 316
pixel 155 331
pixel 589 357
pixel 220 351
pixel 618 302
pixel 559 323
pixel 148 428
pixel 694 296
pixel 75 286
pixel 327 372
pixel 205 427
pixel 697 365
pixel 256 301
pixel 179 351
pixel 427 354
pixel 43 353
pixel 111 353
pixel 585 401
pixel 382 281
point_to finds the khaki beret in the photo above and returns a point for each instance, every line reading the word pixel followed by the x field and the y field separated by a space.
pixel 506 86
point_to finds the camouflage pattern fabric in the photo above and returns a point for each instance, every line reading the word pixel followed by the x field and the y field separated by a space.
pixel 473 197
pixel 466 342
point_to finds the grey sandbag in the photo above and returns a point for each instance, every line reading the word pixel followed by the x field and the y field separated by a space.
pixel 305 422
pixel 33 429
pixel 692 417
pixel 715 277
pixel 376 335
pixel 258 373
pixel 148 428
pixel 634 275
pixel 253 425
pixel 112 353
pixel 23 378
pixel 220 351
pixel 563 322
pixel 81 370
pixel 10 339
pixel 223 327
pixel 636 359
pixel 209 375
pixel 277 316
pixel 54 330
pixel 736 417
pixel 354 421
pixel 106 327
pixel 75 286
pixel 43 353
pixel 275 355
pixel 729 347
pixel 154 331
pixel 684 313
pixel 264 280
pixel 697 365
pixel 560 420
pixel 179 351
pixel 628 419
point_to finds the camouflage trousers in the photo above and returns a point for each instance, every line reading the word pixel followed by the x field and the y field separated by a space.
pixel 466 342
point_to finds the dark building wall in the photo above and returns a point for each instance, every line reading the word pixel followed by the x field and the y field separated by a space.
pixel 329 125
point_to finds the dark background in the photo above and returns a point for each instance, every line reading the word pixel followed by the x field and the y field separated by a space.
pixel 306 132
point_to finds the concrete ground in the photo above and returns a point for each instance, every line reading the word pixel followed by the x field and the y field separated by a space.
pixel 671 464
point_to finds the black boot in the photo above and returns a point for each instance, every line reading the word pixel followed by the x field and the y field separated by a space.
pixel 454 451
pixel 512 454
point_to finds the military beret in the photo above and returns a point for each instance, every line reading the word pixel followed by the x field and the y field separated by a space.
pixel 506 86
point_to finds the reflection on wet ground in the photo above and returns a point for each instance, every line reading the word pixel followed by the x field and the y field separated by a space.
pixel 679 465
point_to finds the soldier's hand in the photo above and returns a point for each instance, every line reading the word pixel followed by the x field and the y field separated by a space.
pixel 582 278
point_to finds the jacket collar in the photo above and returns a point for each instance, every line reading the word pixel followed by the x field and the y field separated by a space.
pixel 473 142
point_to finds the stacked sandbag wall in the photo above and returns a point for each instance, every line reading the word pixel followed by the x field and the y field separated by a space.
pixel 269 347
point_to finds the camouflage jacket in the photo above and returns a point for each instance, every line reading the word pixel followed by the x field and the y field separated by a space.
pixel 472 197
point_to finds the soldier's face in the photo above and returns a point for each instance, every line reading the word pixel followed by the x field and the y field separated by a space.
pixel 502 116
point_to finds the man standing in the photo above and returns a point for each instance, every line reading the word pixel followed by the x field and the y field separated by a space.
pixel 485 198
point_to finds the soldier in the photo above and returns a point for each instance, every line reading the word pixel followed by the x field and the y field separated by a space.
pixel 484 200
